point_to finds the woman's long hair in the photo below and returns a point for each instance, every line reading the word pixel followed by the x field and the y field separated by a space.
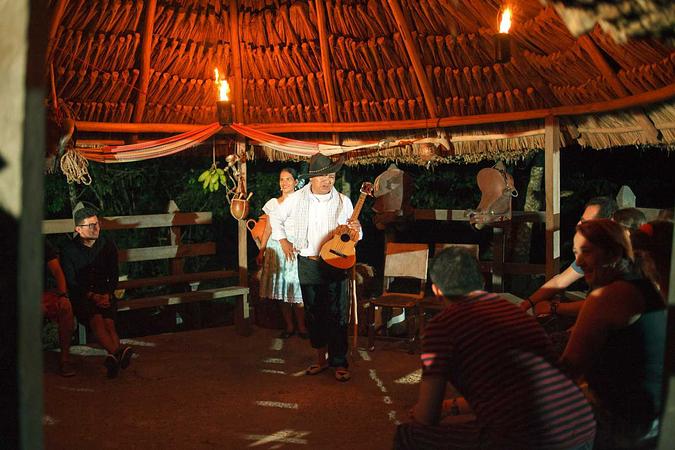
pixel 653 243
pixel 614 240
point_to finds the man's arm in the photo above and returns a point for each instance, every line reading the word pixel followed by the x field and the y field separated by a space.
pixel 553 286
pixel 428 409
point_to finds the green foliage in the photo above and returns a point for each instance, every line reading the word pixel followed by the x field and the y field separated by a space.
pixel 56 196
pixel 146 187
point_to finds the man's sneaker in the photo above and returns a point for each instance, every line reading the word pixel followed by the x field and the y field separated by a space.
pixel 124 354
pixel 66 369
pixel 112 365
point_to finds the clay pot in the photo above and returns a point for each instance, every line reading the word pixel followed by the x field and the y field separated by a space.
pixel 239 208
pixel 257 228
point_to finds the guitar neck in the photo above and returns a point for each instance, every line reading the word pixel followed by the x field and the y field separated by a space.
pixel 358 206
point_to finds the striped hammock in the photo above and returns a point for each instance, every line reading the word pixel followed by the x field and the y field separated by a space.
pixel 175 144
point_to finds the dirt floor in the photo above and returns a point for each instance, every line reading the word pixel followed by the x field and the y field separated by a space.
pixel 213 389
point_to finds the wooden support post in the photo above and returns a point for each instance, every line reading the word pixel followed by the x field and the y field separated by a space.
pixel 552 179
pixel 242 311
pixel 146 52
pixel 23 91
pixel 238 88
pixel 498 252
pixel 415 60
pixel 325 59
pixel 176 238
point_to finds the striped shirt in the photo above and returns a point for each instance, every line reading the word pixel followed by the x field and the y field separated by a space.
pixel 500 360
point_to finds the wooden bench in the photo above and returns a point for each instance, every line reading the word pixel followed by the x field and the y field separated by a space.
pixel 175 252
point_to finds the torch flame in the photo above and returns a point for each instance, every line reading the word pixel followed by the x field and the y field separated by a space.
pixel 223 87
pixel 505 23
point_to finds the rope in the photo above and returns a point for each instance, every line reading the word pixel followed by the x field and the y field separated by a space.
pixel 74 167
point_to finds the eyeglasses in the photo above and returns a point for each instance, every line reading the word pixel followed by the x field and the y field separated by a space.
pixel 91 226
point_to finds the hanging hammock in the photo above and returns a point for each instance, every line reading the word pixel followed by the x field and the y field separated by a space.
pixel 175 144
pixel 150 149
pixel 295 147
pixel 307 149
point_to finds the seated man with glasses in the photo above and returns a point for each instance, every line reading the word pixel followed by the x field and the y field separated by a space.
pixel 90 264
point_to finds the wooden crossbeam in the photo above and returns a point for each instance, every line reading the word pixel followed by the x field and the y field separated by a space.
pixel 646 98
pixel 56 226
pixel 184 297
pixel 166 252
pixel 177 279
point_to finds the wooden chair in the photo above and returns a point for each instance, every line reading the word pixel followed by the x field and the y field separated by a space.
pixel 435 303
pixel 402 261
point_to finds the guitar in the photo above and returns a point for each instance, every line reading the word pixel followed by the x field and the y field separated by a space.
pixel 340 251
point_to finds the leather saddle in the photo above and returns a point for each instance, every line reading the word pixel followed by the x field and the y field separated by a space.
pixel 497 190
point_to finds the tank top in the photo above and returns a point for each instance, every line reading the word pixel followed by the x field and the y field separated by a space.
pixel 627 373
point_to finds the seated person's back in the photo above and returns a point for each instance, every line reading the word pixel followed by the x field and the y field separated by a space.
pixel 500 360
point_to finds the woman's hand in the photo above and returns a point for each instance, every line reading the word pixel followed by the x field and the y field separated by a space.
pixel 542 308
pixel 288 249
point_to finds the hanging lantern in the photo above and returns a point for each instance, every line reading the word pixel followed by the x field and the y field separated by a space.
pixel 223 104
pixel 503 39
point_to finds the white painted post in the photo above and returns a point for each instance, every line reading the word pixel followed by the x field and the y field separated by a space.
pixel 552 179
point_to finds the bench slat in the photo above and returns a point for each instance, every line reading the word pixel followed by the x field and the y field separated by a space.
pixel 182 297
pixel 56 226
pixel 167 252
pixel 175 279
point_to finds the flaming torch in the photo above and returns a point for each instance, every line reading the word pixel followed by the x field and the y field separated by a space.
pixel 223 104
pixel 502 39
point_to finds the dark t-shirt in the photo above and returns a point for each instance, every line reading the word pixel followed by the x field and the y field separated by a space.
pixel 90 269
pixel 636 352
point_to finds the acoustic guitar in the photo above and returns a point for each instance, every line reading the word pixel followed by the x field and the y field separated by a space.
pixel 340 250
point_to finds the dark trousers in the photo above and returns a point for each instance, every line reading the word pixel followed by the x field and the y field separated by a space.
pixel 326 308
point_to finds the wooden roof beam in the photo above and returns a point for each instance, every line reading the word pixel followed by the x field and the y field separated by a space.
pixel 413 54
pixel 59 9
pixel 649 131
pixel 235 45
pixel 638 100
pixel 325 59
pixel 146 51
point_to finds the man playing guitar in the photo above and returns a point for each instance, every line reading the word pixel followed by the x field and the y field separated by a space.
pixel 302 224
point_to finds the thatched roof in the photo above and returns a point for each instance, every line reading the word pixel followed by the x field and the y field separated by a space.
pixel 359 66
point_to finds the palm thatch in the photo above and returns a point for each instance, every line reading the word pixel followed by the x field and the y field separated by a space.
pixel 362 66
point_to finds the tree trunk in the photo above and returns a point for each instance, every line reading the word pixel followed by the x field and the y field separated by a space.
pixel 522 236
